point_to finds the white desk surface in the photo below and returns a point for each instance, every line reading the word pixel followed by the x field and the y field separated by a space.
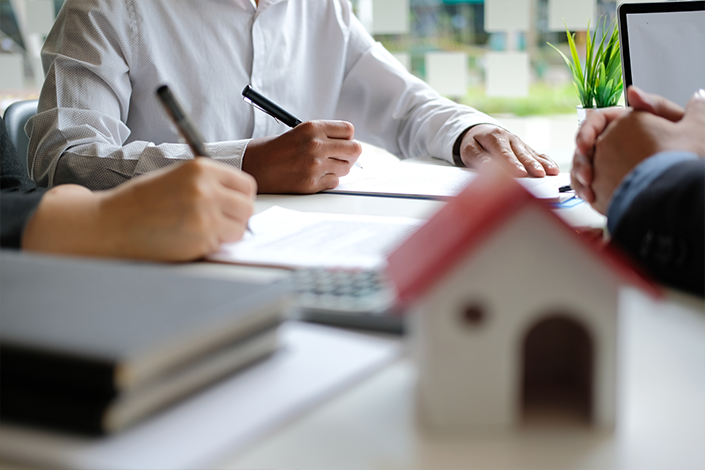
pixel 581 215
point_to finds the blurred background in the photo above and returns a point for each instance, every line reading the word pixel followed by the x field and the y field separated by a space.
pixel 489 54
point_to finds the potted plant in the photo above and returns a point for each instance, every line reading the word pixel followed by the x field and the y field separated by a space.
pixel 598 81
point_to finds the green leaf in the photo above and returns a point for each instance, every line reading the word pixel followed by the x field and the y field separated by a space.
pixel 584 93
pixel 599 79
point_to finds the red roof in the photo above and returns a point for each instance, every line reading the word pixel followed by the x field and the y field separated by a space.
pixel 464 223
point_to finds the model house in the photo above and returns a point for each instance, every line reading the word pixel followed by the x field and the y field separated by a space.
pixel 514 314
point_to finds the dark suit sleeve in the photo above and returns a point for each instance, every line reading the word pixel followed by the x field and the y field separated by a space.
pixel 663 228
pixel 19 195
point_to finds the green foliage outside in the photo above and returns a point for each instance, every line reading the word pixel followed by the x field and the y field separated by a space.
pixel 543 99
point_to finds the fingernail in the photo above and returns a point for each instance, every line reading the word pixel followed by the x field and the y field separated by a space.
pixel 580 178
pixel 537 167
pixel 700 93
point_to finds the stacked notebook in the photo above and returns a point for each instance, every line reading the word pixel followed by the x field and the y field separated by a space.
pixel 93 347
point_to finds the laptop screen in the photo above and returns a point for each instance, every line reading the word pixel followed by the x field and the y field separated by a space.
pixel 663 47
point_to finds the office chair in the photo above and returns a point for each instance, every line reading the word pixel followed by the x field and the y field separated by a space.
pixel 16 116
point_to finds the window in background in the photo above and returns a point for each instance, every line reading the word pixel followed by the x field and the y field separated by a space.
pixel 464 48
pixel 508 66
pixel 24 25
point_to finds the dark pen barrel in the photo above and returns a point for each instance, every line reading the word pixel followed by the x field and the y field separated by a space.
pixel 182 122
pixel 270 107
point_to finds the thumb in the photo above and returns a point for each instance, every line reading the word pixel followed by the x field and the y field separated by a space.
pixel 654 104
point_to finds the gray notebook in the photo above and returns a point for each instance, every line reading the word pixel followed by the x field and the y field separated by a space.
pixel 118 340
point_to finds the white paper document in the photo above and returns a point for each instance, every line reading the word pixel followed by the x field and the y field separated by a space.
pixel 288 238
pixel 314 363
pixel 413 180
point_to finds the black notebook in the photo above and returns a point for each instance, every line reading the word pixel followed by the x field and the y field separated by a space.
pixel 94 346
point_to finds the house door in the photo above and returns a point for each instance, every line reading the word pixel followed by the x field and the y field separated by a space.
pixel 557 373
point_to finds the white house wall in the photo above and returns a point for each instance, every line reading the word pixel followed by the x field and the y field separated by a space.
pixel 472 377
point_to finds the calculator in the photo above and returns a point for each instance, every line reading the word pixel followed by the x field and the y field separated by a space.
pixel 354 298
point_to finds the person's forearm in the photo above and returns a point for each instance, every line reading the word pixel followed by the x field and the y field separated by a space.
pixel 111 164
pixel 400 113
pixel 67 221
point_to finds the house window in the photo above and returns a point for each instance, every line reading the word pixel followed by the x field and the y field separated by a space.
pixel 473 315
pixel 557 373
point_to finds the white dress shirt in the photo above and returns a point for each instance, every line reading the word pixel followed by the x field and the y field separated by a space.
pixel 100 123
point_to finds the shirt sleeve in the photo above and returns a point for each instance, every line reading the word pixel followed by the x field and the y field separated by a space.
pixel 79 134
pixel 638 180
pixel 396 110
pixel 663 226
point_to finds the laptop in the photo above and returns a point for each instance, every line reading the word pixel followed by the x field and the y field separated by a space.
pixel 663 47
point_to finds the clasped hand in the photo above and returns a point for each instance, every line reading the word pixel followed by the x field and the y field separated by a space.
pixel 610 143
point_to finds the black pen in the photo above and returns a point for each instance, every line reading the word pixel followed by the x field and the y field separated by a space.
pixel 263 103
pixel 268 106
pixel 183 123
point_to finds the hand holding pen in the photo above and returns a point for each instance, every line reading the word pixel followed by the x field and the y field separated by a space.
pixel 229 203
pixel 308 159
pixel 268 106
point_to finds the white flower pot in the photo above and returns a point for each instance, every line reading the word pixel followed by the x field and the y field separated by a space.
pixel 583 112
